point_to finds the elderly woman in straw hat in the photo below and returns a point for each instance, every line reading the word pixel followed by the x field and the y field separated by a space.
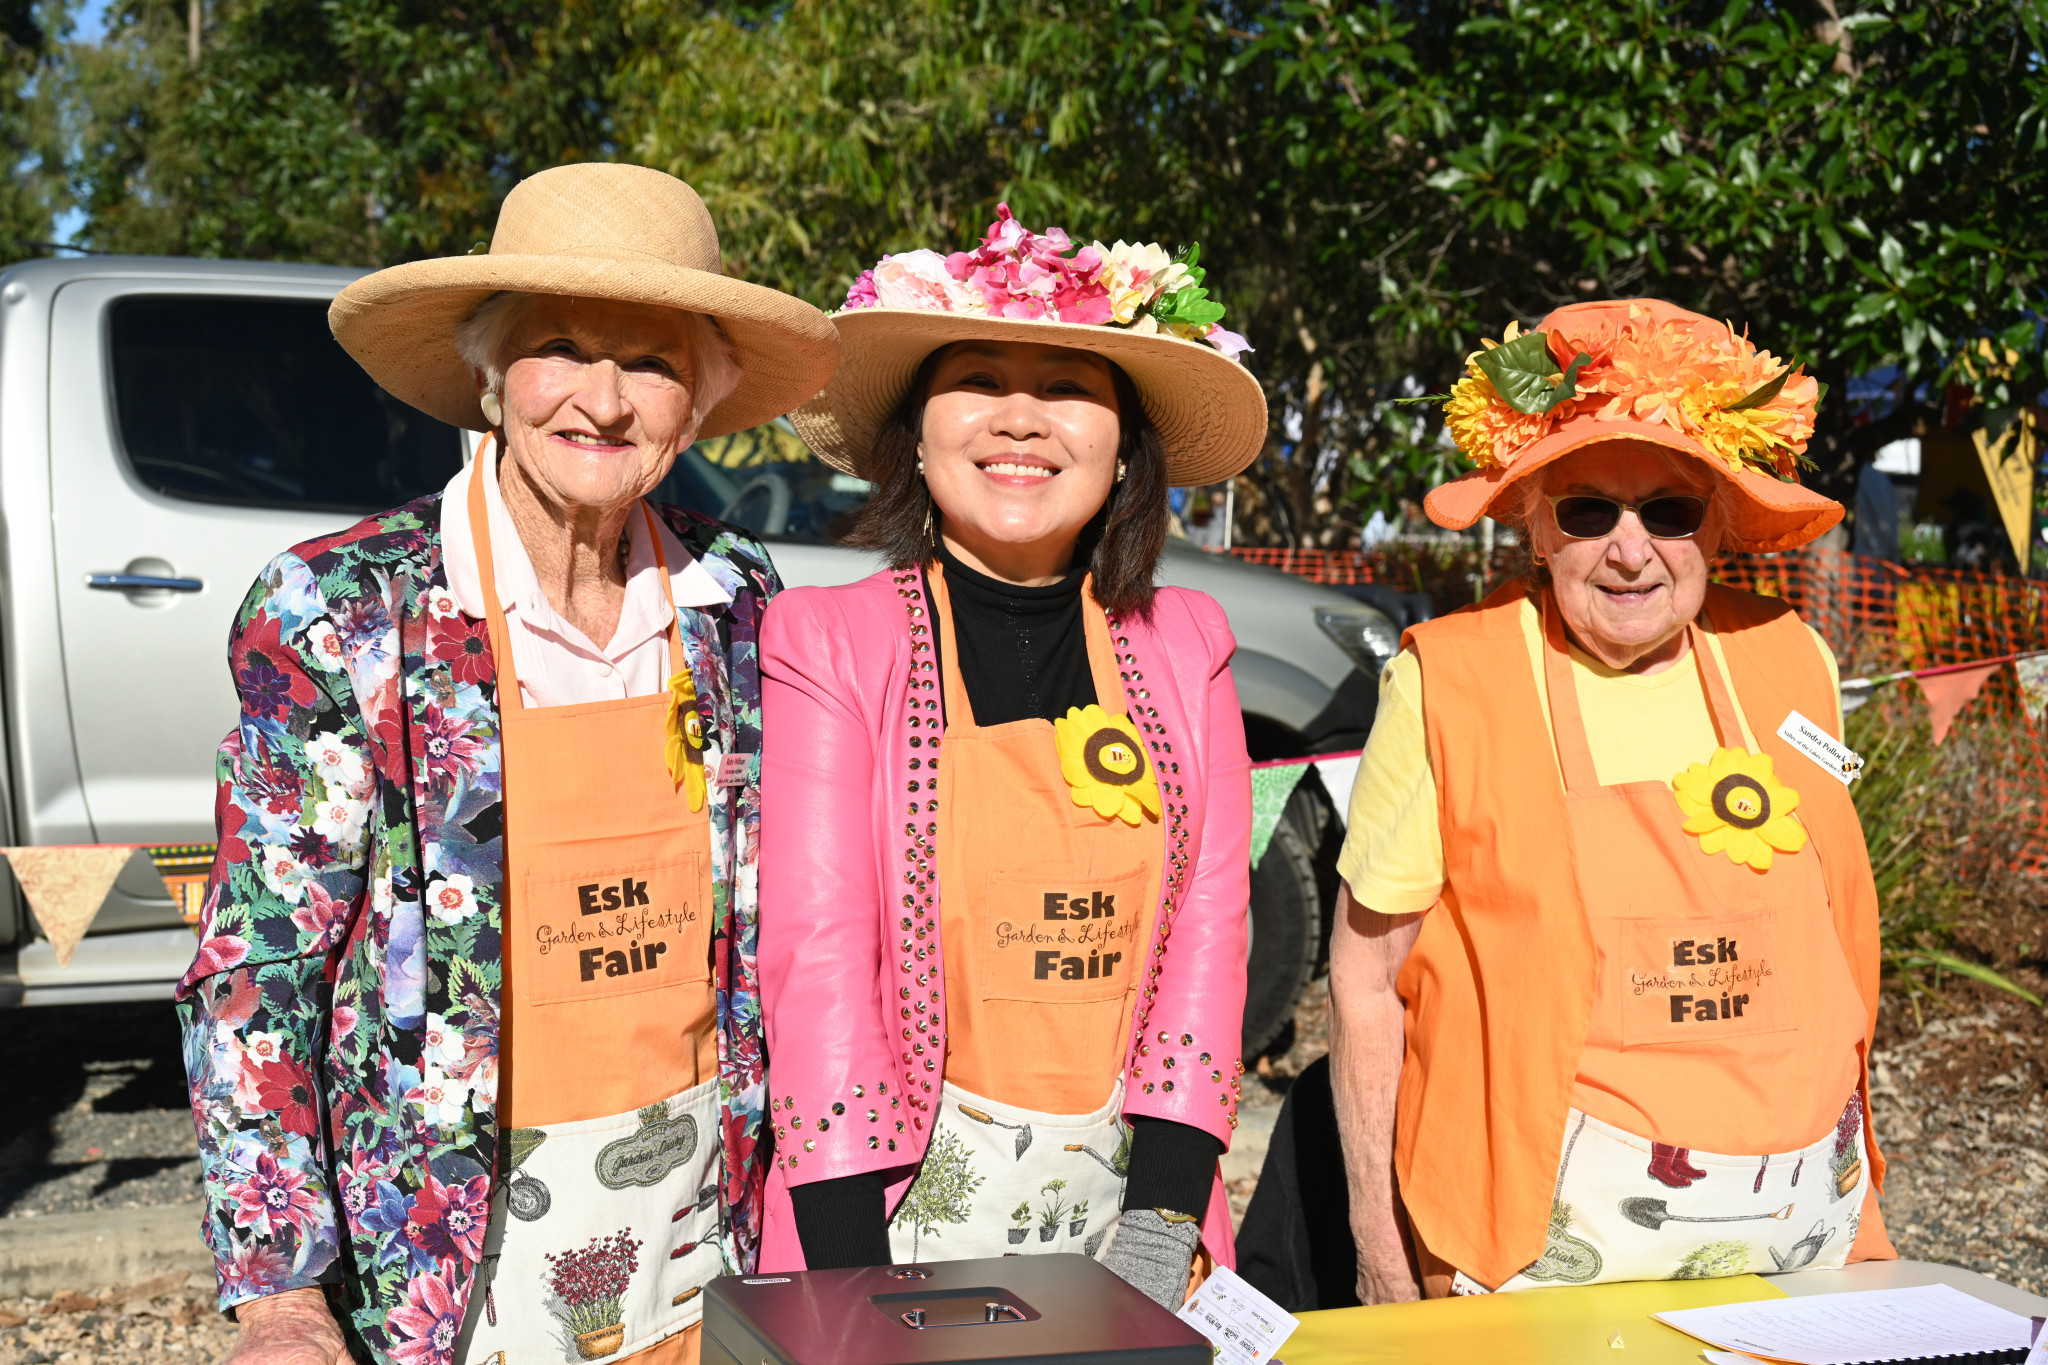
pixel 1003 772
pixel 473 1034
pixel 1609 932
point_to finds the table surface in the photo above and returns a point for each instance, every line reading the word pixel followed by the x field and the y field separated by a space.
pixel 1570 1326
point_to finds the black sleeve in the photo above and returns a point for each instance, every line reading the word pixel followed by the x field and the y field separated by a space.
pixel 1173 1166
pixel 843 1223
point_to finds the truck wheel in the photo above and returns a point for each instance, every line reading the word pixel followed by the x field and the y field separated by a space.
pixel 1286 928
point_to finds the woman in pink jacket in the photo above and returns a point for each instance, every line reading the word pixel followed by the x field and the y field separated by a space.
pixel 1019 1064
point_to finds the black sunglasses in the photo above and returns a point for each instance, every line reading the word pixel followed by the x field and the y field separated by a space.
pixel 1672 517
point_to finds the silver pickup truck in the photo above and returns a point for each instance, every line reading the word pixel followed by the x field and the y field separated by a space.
pixel 168 425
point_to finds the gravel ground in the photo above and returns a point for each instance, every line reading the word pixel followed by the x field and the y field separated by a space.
pixel 142 1324
pixel 97 1117
pixel 1968 1145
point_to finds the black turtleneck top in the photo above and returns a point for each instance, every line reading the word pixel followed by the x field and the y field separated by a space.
pixel 1023 651
pixel 1023 655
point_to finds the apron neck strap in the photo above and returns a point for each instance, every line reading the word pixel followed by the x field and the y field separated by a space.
pixel 480 469
pixel 1574 753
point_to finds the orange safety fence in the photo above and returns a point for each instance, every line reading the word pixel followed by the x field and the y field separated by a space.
pixel 1877 617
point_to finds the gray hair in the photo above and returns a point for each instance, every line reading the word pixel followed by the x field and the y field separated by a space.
pixel 715 372
pixel 1518 508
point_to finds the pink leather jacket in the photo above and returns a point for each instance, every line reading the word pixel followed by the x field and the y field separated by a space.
pixel 853 1072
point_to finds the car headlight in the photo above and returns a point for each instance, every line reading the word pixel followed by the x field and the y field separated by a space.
pixel 1367 638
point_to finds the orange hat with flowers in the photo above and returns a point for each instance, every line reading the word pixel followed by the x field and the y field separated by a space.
pixel 1643 370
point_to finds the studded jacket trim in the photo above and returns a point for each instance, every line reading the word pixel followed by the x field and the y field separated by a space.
pixel 855 665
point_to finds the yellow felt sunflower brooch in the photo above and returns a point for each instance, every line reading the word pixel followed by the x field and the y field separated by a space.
pixel 1103 761
pixel 1735 804
pixel 686 738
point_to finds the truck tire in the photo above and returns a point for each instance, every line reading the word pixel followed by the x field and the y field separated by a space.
pixel 1286 927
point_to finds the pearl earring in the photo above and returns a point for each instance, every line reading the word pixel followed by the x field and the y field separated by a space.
pixel 494 409
pixel 920 468
pixel 1120 471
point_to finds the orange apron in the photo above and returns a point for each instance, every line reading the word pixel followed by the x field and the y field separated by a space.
pixel 1708 1134
pixel 1047 912
pixel 608 1054
pixel 1676 931
pixel 1047 908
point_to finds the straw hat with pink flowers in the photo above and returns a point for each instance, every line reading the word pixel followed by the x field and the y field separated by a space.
pixel 1137 305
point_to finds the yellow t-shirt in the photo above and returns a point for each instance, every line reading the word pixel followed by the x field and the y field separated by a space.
pixel 1640 729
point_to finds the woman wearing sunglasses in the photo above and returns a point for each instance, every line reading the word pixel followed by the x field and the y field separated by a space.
pixel 1605 975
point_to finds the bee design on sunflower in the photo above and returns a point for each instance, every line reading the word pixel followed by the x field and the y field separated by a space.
pixel 1735 804
pixel 685 747
pixel 1104 762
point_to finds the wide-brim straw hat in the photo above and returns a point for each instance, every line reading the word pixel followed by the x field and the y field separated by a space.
pixel 1209 411
pixel 599 230
pixel 1764 513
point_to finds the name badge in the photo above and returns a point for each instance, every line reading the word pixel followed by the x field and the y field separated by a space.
pixel 1832 756
pixel 732 770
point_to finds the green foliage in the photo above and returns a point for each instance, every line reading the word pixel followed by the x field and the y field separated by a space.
pixel 362 133
pixel 1375 184
pixel 1907 800
pixel 34 192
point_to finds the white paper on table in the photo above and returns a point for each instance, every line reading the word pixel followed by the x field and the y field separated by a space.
pixel 1848 1329
pixel 2039 1355
pixel 1246 1326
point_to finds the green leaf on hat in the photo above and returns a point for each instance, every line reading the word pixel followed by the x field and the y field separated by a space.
pixel 1522 371
pixel 1189 307
pixel 1763 394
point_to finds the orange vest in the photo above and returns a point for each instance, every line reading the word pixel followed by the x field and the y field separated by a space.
pixel 1499 988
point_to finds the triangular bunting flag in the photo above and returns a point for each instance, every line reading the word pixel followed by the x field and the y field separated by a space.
pixel 2034 685
pixel 65 885
pixel 1272 784
pixel 1948 693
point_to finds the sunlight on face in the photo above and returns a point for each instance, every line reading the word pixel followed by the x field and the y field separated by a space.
pixel 597 398
pixel 1626 597
pixel 1019 448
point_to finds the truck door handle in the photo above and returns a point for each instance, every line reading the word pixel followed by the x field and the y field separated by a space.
pixel 132 582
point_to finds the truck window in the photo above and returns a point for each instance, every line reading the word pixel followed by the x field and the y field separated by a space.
pixel 253 402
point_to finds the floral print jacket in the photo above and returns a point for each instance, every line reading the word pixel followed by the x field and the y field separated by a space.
pixel 341 1018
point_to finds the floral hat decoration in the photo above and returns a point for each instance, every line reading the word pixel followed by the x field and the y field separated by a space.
pixel 1140 306
pixel 1644 370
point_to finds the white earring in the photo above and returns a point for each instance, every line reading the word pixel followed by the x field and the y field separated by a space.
pixel 1120 471
pixel 920 468
pixel 494 410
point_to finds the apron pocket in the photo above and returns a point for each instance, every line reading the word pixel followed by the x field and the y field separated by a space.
pixel 1702 980
pixel 599 936
pixel 1061 945
pixel 603 1234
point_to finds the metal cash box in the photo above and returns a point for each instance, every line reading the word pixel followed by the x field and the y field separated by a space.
pixel 1019 1310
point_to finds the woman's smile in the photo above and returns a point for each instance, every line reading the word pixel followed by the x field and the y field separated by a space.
pixel 1018 471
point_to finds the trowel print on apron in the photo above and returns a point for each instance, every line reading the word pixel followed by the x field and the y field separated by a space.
pixel 1735 1215
pixel 605 1221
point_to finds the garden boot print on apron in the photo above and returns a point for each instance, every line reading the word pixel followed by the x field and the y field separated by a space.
pixel 1615 1217
pixel 1724 1005
pixel 605 1223
pixel 1050 890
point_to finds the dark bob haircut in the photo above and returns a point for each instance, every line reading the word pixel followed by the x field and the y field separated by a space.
pixel 900 520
